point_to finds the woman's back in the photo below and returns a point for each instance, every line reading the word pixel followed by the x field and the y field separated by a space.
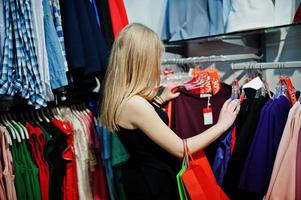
pixel 150 172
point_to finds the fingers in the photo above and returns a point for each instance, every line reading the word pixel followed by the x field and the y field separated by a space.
pixel 233 104
pixel 176 94
pixel 237 109
pixel 226 104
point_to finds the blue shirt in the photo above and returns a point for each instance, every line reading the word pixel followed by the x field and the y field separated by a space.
pixel 57 20
pixel 56 59
pixel 216 20
pixel 20 71
pixel 185 19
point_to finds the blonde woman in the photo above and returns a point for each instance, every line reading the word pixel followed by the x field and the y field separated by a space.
pixel 131 109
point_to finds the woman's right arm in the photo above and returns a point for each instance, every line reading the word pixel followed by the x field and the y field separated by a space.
pixel 139 113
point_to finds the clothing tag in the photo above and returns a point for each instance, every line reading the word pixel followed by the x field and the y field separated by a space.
pixel 206 95
pixel 208 117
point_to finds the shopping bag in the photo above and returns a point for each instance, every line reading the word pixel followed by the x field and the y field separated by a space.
pixel 199 179
pixel 181 187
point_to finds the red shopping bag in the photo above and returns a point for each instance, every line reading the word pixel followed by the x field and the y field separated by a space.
pixel 199 179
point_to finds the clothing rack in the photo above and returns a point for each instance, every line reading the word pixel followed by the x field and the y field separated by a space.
pixel 213 58
pixel 268 65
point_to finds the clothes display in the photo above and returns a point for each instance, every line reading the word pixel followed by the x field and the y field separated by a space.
pixel 43 44
pixel 177 20
pixel 188 119
pixel 246 125
pixel 53 145
pixel 284 170
pixel 53 156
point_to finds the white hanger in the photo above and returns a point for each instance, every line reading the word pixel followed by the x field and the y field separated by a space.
pixel 24 130
pixel 44 116
pixel 6 123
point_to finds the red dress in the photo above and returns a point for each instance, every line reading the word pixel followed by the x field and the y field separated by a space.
pixel 118 16
pixel 70 186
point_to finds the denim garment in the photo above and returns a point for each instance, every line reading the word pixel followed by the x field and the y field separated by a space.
pixel 57 20
pixel 56 59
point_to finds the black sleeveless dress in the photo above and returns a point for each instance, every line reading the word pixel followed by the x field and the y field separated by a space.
pixel 150 173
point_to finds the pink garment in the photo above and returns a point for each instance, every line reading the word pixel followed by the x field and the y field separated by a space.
pixel 2 187
pixel 298 169
pixel 8 172
pixel 283 180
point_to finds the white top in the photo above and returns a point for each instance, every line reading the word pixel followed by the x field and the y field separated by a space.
pixel 251 14
pixel 81 149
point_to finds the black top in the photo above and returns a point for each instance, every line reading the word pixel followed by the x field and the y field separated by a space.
pixel 246 121
pixel 150 173
pixel 56 160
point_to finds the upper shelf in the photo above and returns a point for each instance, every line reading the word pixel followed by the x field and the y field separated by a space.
pixel 233 35
pixel 246 41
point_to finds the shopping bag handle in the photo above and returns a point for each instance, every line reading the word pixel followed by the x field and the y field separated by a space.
pixel 187 155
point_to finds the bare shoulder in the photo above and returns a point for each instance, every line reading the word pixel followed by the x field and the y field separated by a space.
pixel 134 109
pixel 138 104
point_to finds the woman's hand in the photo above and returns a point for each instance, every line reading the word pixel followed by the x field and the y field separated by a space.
pixel 168 93
pixel 228 113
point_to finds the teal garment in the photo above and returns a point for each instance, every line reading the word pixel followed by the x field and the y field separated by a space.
pixel 104 137
pixel 119 157
pixel 119 153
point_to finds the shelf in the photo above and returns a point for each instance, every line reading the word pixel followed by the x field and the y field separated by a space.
pixel 240 42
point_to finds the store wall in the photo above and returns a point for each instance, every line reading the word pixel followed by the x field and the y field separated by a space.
pixel 287 50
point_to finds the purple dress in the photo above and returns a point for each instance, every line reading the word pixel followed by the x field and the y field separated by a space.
pixel 258 166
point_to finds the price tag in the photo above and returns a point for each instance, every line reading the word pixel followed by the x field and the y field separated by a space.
pixel 208 117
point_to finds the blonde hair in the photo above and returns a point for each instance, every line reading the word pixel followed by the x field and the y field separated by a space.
pixel 134 69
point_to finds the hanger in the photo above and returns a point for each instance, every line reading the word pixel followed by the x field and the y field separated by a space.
pixel 5 123
pixel 20 130
pixel 11 122
pixel 14 132
pixel 74 111
pixel 43 115
pixel 49 113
